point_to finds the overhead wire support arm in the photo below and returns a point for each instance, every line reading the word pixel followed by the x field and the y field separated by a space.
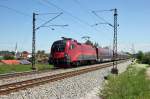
pixel 60 25
pixel 47 13
pixel 50 26
pixel 103 23
pixel 49 21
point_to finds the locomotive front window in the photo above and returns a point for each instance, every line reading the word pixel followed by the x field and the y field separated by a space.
pixel 59 46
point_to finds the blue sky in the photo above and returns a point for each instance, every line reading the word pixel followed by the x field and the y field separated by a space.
pixel 133 19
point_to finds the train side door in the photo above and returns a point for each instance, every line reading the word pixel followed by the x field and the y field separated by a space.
pixel 72 51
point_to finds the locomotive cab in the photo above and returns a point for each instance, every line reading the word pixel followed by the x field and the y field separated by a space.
pixel 59 54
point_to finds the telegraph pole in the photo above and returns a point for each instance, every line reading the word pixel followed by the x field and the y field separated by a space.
pixel 33 43
pixel 115 56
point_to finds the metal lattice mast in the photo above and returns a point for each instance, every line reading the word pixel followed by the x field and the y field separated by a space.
pixel 115 42
pixel 33 43
pixel 36 28
pixel 114 70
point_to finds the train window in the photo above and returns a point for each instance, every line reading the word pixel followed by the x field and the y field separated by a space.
pixel 59 46
pixel 72 46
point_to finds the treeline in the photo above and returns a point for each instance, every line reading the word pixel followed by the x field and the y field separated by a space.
pixel 143 57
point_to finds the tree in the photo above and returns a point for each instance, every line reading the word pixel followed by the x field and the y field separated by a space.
pixel 41 56
pixel 88 42
pixel 140 55
pixel 146 58
pixel 96 44
pixel 143 57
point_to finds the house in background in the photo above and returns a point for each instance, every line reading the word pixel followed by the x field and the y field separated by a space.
pixel 25 55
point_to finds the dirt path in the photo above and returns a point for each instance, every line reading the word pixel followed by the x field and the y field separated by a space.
pixel 148 73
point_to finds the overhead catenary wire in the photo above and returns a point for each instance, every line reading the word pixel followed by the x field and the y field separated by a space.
pixel 86 10
pixel 103 10
pixel 16 11
pixel 27 15
pixel 94 12
pixel 20 12
pixel 49 4
pixel 75 17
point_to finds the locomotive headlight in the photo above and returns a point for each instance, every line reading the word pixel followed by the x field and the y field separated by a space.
pixel 67 58
pixel 66 55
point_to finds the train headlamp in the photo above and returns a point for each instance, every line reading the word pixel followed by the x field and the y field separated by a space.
pixel 65 55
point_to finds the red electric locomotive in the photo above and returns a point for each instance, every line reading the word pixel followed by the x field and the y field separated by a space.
pixel 68 52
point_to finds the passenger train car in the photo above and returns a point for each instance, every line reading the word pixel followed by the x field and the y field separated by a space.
pixel 68 52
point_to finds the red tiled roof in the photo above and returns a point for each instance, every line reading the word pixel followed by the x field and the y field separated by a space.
pixel 10 62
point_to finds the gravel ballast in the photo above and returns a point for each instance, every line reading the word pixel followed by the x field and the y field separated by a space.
pixel 37 75
pixel 83 86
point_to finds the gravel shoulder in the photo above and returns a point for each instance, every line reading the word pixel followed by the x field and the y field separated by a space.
pixel 94 93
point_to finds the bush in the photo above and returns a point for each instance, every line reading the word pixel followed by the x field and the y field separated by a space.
pixel 8 57
pixel 143 57
pixel 131 84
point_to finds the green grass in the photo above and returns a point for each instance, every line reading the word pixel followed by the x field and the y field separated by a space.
pixel 132 84
pixel 21 68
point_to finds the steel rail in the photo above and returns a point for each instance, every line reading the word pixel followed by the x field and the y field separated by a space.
pixel 14 87
pixel 17 74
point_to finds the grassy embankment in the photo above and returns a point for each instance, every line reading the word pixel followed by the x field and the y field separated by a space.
pixel 20 68
pixel 132 84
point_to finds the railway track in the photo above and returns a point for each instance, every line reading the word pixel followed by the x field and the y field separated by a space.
pixel 13 87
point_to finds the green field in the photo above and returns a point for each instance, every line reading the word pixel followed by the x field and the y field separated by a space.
pixel 20 68
pixel 132 84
